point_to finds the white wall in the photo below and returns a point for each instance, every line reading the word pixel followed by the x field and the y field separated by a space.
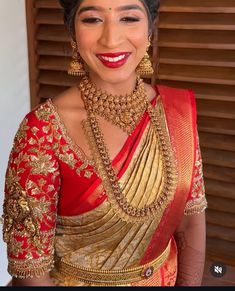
pixel 14 92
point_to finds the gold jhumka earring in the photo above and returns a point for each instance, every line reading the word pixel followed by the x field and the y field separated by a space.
pixel 145 68
pixel 76 67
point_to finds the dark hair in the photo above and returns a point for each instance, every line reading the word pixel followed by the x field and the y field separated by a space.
pixel 71 6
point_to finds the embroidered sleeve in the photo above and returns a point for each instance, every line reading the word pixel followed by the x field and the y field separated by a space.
pixel 29 210
pixel 196 202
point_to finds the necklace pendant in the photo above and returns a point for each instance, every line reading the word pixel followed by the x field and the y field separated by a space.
pixel 126 117
pixel 122 110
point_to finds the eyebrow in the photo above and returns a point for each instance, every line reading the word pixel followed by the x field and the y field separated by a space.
pixel 100 9
pixel 130 7
pixel 89 8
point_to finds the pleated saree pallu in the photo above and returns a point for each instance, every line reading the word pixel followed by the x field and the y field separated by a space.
pixel 94 239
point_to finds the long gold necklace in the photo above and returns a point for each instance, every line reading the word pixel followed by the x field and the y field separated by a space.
pixel 125 111
pixel 106 172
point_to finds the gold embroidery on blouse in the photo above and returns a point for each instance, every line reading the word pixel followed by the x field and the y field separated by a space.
pixel 65 134
pixel 198 203
pixel 18 217
pixel 57 129
pixel 22 132
pixel 198 188
pixel 12 178
pixel 31 267
pixel 41 164
pixel 27 203
pixel 196 206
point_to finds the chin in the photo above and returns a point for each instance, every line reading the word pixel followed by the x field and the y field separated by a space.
pixel 117 76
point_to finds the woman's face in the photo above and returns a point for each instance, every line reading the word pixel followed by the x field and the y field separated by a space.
pixel 112 37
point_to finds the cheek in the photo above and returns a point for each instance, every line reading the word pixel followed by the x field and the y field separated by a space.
pixel 140 37
pixel 140 42
pixel 85 37
pixel 84 40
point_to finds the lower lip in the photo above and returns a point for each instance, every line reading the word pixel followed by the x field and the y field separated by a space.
pixel 114 65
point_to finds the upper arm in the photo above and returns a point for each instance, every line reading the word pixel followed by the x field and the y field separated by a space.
pixel 191 221
pixel 29 211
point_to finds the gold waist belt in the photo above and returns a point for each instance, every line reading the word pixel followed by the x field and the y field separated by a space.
pixel 112 277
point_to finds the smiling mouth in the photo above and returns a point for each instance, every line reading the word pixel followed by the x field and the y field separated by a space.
pixel 113 60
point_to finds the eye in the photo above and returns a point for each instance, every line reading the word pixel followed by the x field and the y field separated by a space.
pixel 130 19
pixel 91 20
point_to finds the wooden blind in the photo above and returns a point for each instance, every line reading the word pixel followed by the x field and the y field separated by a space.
pixel 49 50
pixel 194 48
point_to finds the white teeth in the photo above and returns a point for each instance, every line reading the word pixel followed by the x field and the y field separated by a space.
pixel 113 60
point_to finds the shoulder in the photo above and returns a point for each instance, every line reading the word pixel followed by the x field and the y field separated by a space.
pixel 37 117
pixel 36 123
pixel 45 112
pixel 68 99
pixel 69 106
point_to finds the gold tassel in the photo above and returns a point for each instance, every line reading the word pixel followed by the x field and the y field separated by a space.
pixel 145 68
pixel 76 67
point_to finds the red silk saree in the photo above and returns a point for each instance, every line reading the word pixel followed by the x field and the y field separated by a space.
pixel 59 217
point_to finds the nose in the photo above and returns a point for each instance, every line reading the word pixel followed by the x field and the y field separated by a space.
pixel 111 35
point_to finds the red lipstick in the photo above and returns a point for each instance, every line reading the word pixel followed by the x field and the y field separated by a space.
pixel 114 60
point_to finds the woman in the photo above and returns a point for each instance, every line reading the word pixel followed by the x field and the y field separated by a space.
pixel 104 184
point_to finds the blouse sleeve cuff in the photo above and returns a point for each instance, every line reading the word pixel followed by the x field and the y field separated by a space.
pixel 30 268
pixel 195 206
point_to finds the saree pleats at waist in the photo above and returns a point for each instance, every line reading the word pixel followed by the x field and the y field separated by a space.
pixel 110 277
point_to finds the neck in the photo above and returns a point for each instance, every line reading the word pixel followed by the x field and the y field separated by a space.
pixel 116 88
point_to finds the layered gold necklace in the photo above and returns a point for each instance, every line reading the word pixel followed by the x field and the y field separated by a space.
pixel 96 103
pixel 125 111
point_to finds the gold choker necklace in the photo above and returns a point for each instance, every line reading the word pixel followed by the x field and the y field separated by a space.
pixel 125 111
